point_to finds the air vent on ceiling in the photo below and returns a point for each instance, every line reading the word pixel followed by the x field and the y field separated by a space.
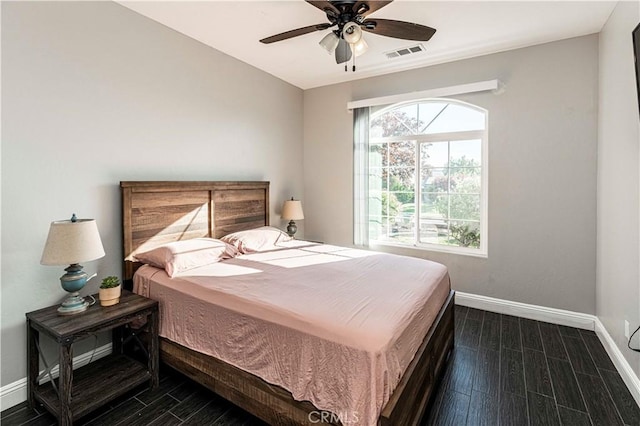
pixel 405 51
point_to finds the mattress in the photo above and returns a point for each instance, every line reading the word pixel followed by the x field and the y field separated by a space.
pixel 334 326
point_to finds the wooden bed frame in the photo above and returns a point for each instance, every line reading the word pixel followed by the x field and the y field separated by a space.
pixel 155 213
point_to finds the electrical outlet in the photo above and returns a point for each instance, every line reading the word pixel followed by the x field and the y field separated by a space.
pixel 626 329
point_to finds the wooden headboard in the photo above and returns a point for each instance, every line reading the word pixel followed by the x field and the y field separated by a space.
pixel 155 213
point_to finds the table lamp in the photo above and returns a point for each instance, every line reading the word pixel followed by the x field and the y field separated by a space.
pixel 69 243
pixel 291 211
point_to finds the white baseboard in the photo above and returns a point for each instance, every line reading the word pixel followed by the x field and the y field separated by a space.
pixel 535 312
pixel 630 379
pixel 13 394
pixel 562 317
pixel 16 392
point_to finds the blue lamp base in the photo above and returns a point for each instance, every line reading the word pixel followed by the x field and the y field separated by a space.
pixel 74 304
pixel 73 281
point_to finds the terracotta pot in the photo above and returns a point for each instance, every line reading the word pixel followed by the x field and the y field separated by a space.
pixel 109 296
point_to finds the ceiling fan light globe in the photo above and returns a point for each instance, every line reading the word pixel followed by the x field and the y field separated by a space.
pixel 360 47
pixel 329 42
pixel 352 33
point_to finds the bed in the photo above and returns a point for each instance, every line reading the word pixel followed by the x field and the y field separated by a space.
pixel 158 212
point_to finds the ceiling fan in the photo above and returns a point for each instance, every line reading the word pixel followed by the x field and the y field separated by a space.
pixel 349 19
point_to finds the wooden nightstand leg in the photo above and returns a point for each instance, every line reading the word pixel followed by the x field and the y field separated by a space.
pixel 64 384
pixel 154 350
pixel 34 365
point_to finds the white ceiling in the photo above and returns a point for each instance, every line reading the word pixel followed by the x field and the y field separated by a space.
pixel 464 29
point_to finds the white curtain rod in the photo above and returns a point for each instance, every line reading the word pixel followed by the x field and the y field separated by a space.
pixel 480 86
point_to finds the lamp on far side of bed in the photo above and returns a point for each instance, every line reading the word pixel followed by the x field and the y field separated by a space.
pixel 291 211
pixel 70 242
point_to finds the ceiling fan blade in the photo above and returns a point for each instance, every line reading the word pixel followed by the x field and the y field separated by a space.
pixel 323 6
pixel 295 33
pixel 371 6
pixel 343 52
pixel 399 29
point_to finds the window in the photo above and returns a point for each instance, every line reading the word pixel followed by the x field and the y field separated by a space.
pixel 426 176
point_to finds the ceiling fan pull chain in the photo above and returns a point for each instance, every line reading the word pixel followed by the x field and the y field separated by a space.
pixel 354 62
pixel 346 63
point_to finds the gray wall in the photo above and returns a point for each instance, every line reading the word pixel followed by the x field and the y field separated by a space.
pixel 618 279
pixel 542 169
pixel 93 93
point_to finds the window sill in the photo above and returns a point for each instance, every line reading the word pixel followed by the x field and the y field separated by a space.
pixel 434 248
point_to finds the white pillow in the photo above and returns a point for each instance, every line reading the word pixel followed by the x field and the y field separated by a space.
pixel 181 256
pixel 256 240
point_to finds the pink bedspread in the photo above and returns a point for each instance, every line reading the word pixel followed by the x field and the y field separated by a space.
pixel 332 325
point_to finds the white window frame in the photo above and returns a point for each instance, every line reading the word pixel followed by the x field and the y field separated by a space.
pixel 483 135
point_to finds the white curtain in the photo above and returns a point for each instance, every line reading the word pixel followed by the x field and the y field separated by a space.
pixel 360 176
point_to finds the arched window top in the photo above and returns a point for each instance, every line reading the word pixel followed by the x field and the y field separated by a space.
pixel 428 116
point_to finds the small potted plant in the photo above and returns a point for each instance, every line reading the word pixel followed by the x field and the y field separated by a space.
pixel 110 291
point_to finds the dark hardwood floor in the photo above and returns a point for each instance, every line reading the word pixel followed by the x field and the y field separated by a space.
pixel 504 371
pixel 514 371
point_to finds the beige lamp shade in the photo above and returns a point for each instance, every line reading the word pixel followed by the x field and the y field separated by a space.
pixel 292 210
pixel 72 242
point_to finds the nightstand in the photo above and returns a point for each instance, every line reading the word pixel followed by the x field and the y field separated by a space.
pixel 76 393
